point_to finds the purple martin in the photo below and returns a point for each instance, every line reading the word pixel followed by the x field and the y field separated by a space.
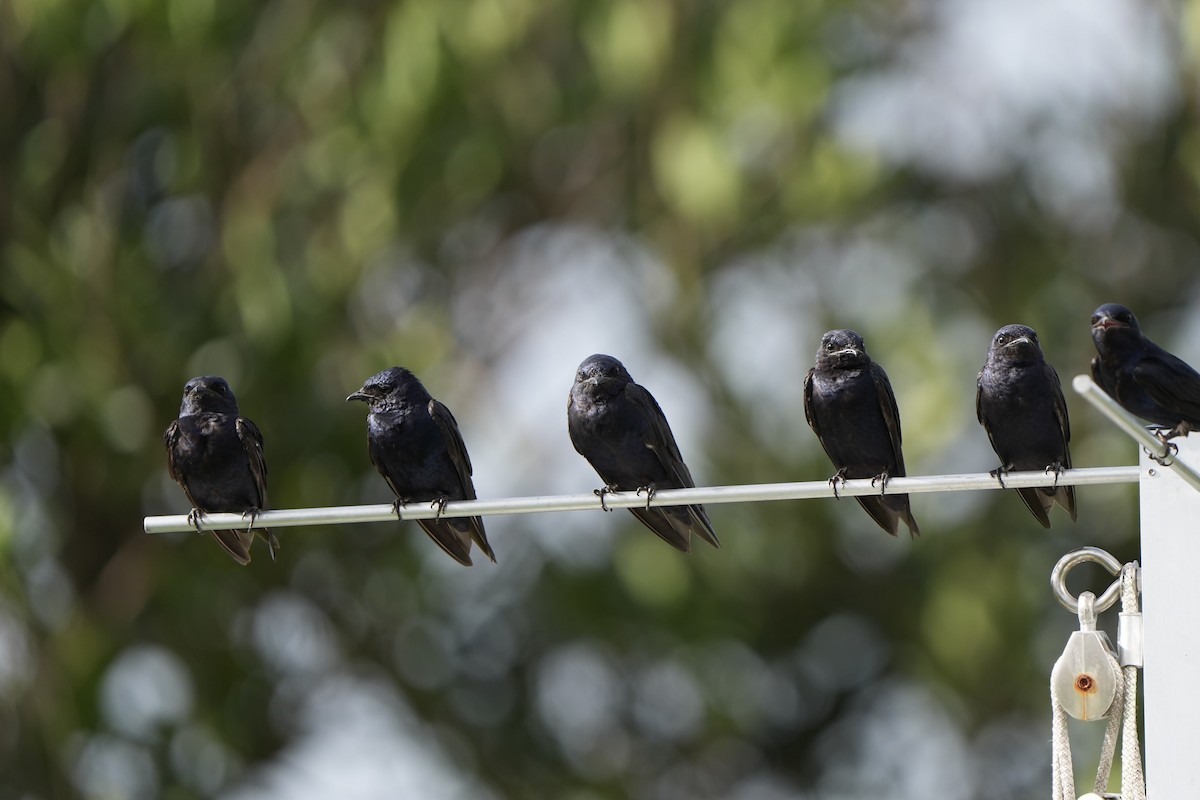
pixel 216 455
pixel 619 428
pixel 1142 377
pixel 415 444
pixel 849 404
pixel 1019 402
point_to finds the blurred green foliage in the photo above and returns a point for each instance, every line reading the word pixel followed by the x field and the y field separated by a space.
pixel 295 195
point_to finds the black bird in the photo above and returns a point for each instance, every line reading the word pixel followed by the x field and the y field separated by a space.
pixel 415 444
pixel 849 404
pixel 618 427
pixel 1020 404
pixel 1142 377
pixel 216 455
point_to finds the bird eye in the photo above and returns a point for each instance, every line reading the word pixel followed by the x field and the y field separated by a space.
pixel 829 345
pixel 220 387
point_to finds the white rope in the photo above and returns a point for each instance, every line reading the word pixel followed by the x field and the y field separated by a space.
pixel 1062 771
pixel 1111 731
pixel 1133 782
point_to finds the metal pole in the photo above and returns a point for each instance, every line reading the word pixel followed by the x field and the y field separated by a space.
pixel 1127 422
pixel 747 493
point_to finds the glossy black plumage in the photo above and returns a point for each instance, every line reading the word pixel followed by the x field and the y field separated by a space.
pixel 619 428
pixel 414 442
pixel 216 455
pixel 1145 379
pixel 1019 402
pixel 849 404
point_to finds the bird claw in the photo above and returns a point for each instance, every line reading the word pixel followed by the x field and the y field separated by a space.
pixel 1167 434
pixel 440 505
pixel 194 517
pixel 882 479
pixel 252 513
pixel 650 492
pixel 396 506
pixel 999 472
pixel 1168 458
pixel 603 490
pixel 1058 469
pixel 839 477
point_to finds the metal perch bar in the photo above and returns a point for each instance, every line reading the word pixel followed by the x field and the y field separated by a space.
pixel 1086 387
pixel 748 493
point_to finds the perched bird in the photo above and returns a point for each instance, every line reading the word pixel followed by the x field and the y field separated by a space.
pixel 618 427
pixel 414 442
pixel 849 404
pixel 216 455
pixel 1145 379
pixel 1020 404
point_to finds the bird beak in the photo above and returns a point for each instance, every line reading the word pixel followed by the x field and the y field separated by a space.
pixel 359 395
pixel 1104 323
pixel 1019 340
pixel 848 351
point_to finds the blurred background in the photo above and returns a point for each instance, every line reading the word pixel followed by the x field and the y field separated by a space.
pixel 295 195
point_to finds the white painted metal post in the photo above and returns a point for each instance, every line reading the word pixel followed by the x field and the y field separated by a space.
pixel 1170 521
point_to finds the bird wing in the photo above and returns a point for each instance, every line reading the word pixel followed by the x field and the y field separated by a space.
pixel 1060 412
pixel 979 408
pixel 171 438
pixel 662 443
pixel 1170 381
pixel 891 414
pixel 462 465
pixel 252 442
pixel 454 446
pixel 979 398
pixel 661 440
pixel 809 414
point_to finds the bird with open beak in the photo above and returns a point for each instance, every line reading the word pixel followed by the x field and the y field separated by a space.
pixel 1143 378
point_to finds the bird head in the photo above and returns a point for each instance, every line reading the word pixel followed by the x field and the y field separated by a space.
pixel 1114 326
pixel 602 375
pixel 842 349
pixel 208 394
pixel 1112 315
pixel 1015 343
pixel 390 389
